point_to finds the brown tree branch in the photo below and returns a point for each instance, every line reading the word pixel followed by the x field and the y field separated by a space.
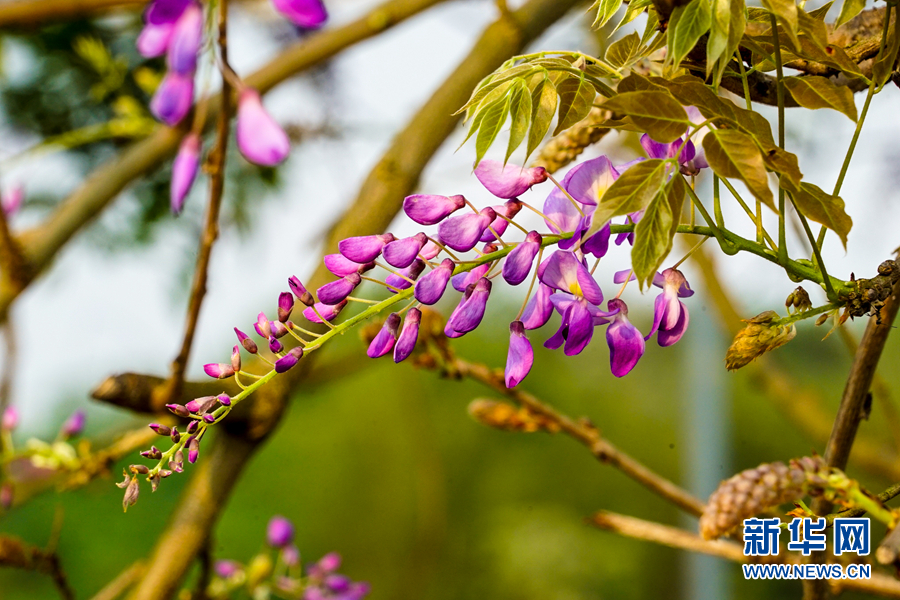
pixel 34 13
pixel 216 168
pixel 584 432
pixel 121 583
pixel 40 244
pixel 16 553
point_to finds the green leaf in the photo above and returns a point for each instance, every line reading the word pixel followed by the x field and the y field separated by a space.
pixel 633 11
pixel 819 13
pixel 786 13
pixel 576 98
pixel 782 162
pixel 849 9
pixel 543 107
pixel 622 52
pixel 632 191
pixel 656 112
pixel 885 60
pixel 651 239
pixel 606 9
pixel 720 25
pixel 812 28
pixel 823 208
pixel 734 154
pixel 651 28
pixel 686 25
pixel 520 116
pixel 820 92
pixel 494 118
pixel 639 83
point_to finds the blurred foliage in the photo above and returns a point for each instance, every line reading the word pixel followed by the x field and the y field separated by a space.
pixel 386 467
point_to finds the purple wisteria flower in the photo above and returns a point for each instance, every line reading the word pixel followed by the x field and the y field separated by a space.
pixel 508 209
pixel 334 292
pixel 165 11
pixel 300 291
pixel 218 370
pixel 404 278
pixel 280 532
pixel 463 280
pixel 185 41
pixel 406 343
pixel 307 14
pixel 401 253
pixel 429 209
pixel 626 344
pixel 430 288
pixel 670 315
pixel 690 160
pixel 520 357
pixel 339 265
pixel 386 338
pixel 184 170
pixel 363 249
pixel 508 181
pixel 520 259
pixel 470 312
pixel 539 308
pixel 285 306
pixel 590 180
pixel 74 425
pixel 462 233
pixel 173 98
pixel 290 359
pixel 327 311
pixel 260 139
pixel 154 39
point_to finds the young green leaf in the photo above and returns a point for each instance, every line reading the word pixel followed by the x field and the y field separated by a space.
pixel 652 237
pixel 735 155
pixel 543 106
pixel 520 116
pixel 786 13
pixel 849 9
pixel 631 192
pixel 819 13
pixel 622 52
pixel 606 9
pixel 823 208
pixel 576 98
pixel 719 28
pixel 887 57
pixel 686 25
pixel 633 11
pixel 821 92
pixel 656 112
pixel 782 162
pixel 494 118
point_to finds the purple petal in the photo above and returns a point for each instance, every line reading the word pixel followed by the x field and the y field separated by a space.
pixel 411 272
pixel 626 344
pixel 539 308
pixel 580 328
pixel 185 41
pixel 560 209
pixel 386 338
pixel 508 181
pixel 430 250
pixel 154 39
pixel 401 253
pixel 509 209
pixel 259 137
pixel 226 568
pixel 520 357
pixel 462 233
pixel 675 279
pixel 588 184
pixel 184 170
pixel 430 288
pixel 74 425
pixel 218 370
pixel 621 276
pixel 428 209
pixel 262 326
pixel 631 218
pixel 469 315
pixel 656 149
pixel 280 532
pixel 285 306
pixel 334 292
pixel 165 11
pixel 339 265
pixel 674 333
pixel 248 344
pixel 364 248
pixel 308 14
pixel 598 244
pixel 328 311
pixel 463 280
pixel 173 98
pixel 406 343
pixel 563 271
pixel 289 360
pixel 519 260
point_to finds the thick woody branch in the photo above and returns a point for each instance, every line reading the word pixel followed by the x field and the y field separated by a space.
pixel 34 13
pixel 588 435
pixel 16 553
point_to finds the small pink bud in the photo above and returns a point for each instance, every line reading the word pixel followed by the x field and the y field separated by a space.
pixel 260 139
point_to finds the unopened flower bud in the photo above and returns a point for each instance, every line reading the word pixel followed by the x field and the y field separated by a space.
pixel 153 453
pixel 822 318
pixel 179 410
pixel 209 419
pixel 301 292
pixel 260 139
pixel 762 334
pixel 285 306
pixel 280 532
pixel 184 171
pixel 227 568
pixel 200 406
pixel 74 425
pixel 218 370
pixel 224 399
pixel 10 419
pixel 192 427
pixel 248 344
pixel 193 449
pixel 262 326
pixel 279 329
pixel 289 360
pixel 175 435
pixel 325 311
pixel 131 494
pixel 160 429
pixel 139 469
pixel 386 338
pixel 236 358
pixel 799 299
pixel 275 346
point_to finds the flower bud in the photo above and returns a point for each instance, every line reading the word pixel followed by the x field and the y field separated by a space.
pixel 248 344
pixel 401 253
pixel 209 419
pixel 173 98
pixel 184 171
pixel 139 469
pixel 160 429
pixel 201 406
pixel 280 532
pixel 275 346
pixel 386 338
pixel 327 311
pixel 192 427
pixel 236 358
pixel 224 399
pixel 300 291
pixel 259 137
pixel 179 410
pixel 285 306
pixel 469 314
pixel 508 181
pixel 154 39
pixel 406 343
pixel 153 454
pixel 427 209
pixel 430 288
pixel 227 568
pixel 185 42
pixel 334 292
pixel 193 449
pixel 306 14
pixel 462 233
pixel 289 360
pixel 177 462
pixel 262 327
pixel 401 280
pixel 175 435
pixel 218 370
pixel 131 494
pixel 10 419
pixel 74 425
pixel 365 248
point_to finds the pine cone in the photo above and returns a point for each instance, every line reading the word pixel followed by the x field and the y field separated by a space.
pixel 753 491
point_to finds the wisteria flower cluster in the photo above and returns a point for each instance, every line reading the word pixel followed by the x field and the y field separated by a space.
pixel 37 460
pixel 262 577
pixel 175 28
pixel 421 269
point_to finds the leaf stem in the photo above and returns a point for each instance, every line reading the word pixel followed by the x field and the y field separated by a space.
pixel 779 83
